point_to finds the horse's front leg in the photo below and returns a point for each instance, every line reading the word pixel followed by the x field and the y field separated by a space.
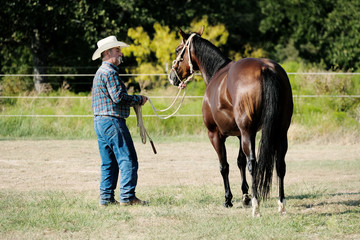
pixel 218 142
pixel 241 161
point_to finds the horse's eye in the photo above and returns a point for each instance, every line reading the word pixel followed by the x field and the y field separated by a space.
pixel 178 49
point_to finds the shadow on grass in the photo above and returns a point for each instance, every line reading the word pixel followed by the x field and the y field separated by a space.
pixel 330 204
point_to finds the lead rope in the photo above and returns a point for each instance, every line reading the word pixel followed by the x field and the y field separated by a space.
pixel 140 123
pixel 155 110
pixel 139 117
pixel 142 129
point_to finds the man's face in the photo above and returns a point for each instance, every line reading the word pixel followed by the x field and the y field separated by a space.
pixel 115 56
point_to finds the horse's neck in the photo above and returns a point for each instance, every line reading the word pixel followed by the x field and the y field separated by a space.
pixel 211 62
pixel 209 74
pixel 221 71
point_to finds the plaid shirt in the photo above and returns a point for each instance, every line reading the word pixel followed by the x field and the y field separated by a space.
pixel 109 94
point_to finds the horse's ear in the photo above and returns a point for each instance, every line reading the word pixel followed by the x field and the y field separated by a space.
pixel 184 35
pixel 201 31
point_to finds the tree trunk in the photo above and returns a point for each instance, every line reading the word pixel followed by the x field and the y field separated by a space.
pixel 41 83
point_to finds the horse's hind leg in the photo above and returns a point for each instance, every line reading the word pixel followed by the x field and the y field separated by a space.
pixel 241 161
pixel 218 142
pixel 248 146
pixel 281 170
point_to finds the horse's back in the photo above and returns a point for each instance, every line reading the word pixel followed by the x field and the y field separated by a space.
pixel 234 98
pixel 246 80
pixel 246 75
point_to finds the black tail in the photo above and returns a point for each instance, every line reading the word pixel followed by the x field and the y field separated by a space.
pixel 270 132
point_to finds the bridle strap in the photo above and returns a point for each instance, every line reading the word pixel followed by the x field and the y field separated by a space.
pixel 178 59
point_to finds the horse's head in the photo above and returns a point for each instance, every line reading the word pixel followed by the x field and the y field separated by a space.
pixel 182 66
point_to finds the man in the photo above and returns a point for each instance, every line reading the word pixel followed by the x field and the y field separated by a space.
pixel 111 106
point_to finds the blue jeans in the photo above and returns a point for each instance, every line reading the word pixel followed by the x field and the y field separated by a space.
pixel 117 152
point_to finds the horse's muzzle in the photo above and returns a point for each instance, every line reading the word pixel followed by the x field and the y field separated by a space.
pixel 173 79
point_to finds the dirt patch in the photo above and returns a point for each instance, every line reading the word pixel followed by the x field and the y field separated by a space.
pixel 74 165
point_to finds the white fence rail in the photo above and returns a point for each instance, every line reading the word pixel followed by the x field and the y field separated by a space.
pixel 164 97
pixel 91 116
pixel 156 74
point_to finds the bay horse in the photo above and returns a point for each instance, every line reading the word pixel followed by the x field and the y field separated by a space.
pixel 240 99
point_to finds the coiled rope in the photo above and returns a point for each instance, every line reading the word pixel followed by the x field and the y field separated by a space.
pixel 142 129
pixel 140 123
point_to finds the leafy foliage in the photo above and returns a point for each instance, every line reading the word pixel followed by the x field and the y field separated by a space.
pixel 60 36
pixel 342 33
pixel 156 55
pixel 320 31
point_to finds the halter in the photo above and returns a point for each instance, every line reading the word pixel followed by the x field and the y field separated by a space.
pixel 179 57
pixel 138 110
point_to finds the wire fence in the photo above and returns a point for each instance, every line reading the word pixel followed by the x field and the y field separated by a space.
pixel 165 97
pixel 152 97
pixel 91 116
pixel 157 74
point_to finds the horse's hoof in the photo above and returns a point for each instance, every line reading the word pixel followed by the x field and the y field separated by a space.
pixel 255 208
pixel 228 204
pixel 256 215
pixel 246 200
pixel 283 213
pixel 282 210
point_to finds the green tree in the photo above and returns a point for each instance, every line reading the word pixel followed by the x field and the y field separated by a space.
pixel 320 31
pixel 241 18
pixel 55 33
pixel 342 36
pixel 38 35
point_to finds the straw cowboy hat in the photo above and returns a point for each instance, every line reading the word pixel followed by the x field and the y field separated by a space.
pixel 107 43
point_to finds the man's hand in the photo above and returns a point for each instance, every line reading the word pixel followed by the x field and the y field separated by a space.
pixel 182 85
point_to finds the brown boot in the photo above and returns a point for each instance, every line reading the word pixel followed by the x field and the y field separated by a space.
pixel 135 201
pixel 110 203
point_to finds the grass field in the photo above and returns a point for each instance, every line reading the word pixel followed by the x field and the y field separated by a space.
pixel 49 190
pixel 49 172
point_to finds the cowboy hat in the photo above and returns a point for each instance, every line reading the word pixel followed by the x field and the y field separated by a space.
pixel 107 43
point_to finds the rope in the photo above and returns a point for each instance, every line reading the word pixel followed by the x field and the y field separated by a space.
pixel 142 129
pixel 138 109
pixel 155 110
pixel 140 124
pixel 164 110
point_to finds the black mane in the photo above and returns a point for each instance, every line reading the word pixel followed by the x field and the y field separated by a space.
pixel 209 56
